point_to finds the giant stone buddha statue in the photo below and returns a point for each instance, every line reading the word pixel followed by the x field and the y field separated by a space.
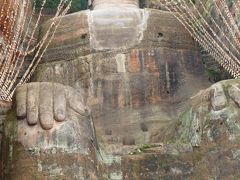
pixel 113 78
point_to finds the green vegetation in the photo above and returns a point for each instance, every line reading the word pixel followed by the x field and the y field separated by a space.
pixel 213 75
pixel 193 1
pixel 143 148
pixel 77 5
pixel 142 3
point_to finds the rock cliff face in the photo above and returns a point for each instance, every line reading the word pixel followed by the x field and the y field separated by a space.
pixel 213 17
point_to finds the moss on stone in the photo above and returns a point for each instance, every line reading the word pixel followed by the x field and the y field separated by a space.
pixel 184 124
pixel 10 128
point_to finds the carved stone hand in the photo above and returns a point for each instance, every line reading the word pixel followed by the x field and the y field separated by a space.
pixel 214 113
pixel 53 128
pixel 46 103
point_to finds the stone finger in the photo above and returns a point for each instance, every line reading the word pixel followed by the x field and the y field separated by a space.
pixel 32 103
pixel 5 107
pixel 218 99
pixel 75 101
pixel 59 103
pixel 21 101
pixel 234 92
pixel 46 105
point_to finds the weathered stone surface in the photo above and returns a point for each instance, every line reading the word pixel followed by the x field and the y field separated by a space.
pixel 217 125
pixel 72 38
pixel 116 28
pixel 156 165
pixel 70 41
pixel 218 100
pixel 148 83
pixel 66 150
pixel 44 102
pixel 234 92
pixel 135 90
pixel 4 108
pixel 205 146
pixel 214 70
pixel 102 4
pixel 198 164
